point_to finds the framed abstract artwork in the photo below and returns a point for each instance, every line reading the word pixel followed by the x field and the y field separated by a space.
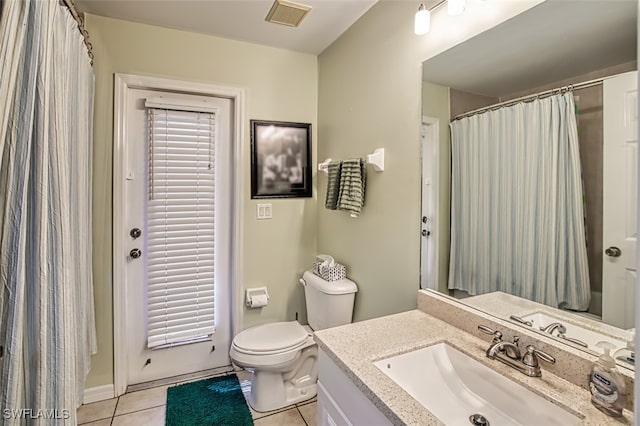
pixel 280 159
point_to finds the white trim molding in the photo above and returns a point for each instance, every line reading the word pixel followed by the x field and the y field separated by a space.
pixel 122 84
pixel 98 393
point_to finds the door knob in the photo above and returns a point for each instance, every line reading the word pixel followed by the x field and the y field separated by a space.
pixel 135 253
pixel 425 233
pixel 613 252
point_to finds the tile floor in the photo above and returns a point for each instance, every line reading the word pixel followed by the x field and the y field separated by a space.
pixel 147 407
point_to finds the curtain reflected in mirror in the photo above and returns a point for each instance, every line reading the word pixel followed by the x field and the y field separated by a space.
pixel 533 211
pixel 517 219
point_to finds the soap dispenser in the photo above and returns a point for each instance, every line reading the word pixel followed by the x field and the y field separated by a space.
pixel 608 393
pixel 627 355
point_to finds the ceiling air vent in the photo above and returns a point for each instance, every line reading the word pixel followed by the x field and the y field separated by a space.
pixel 287 13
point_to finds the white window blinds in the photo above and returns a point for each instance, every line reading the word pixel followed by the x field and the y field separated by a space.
pixel 180 241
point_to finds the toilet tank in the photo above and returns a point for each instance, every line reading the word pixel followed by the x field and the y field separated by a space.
pixel 329 303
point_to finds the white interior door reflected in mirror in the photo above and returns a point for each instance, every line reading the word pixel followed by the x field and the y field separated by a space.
pixel 620 150
pixel 429 216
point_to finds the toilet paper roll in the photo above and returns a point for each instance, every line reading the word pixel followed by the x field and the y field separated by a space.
pixel 259 301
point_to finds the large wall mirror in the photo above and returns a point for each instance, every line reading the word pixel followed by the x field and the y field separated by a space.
pixel 583 49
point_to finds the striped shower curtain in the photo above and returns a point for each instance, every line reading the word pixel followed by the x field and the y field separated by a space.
pixel 47 329
pixel 517 221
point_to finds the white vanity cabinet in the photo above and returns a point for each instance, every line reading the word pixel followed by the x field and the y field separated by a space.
pixel 340 402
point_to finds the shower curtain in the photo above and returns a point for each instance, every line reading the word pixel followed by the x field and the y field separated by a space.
pixel 47 329
pixel 517 221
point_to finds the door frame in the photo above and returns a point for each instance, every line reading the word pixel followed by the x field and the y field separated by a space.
pixel 122 84
pixel 430 130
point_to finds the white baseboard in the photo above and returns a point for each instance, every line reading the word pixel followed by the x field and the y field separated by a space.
pixel 99 393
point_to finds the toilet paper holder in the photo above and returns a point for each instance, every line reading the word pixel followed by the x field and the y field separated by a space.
pixel 257 297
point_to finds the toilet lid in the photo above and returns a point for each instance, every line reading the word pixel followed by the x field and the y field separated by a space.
pixel 271 337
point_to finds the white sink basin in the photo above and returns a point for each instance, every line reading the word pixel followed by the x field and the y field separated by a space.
pixel 454 386
pixel 585 335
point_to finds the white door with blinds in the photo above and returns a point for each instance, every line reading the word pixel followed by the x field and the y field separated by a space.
pixel 178 198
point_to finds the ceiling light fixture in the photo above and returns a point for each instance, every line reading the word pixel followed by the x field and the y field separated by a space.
pixel 455 7
pixel 422 20
pixel 423 15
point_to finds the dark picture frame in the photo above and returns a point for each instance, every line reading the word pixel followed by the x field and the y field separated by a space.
pixel 280 159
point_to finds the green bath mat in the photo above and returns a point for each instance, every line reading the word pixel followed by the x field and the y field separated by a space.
pixel 215 401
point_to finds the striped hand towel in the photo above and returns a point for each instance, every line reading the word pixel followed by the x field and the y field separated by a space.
pixel 352 184
pixel 333 185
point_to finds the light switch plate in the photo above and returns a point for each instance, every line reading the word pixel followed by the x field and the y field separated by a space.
pixel 264 211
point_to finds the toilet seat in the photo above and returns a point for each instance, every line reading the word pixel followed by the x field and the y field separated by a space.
pixel 270 345
pixel 270 339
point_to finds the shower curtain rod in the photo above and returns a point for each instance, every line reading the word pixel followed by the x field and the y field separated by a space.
pixel 70 5
pixel 568 88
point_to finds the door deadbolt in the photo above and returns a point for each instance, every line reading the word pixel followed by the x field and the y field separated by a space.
pixel 135 233
pixel 613 251
pixel 135 253
pixel 424 219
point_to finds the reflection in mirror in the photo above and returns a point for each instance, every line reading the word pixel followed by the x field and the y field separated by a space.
pixel 578 331
pixel 529 226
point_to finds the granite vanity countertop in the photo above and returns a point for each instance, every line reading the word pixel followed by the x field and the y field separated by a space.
pixel 355 347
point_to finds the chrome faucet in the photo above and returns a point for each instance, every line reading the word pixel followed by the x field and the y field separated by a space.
pixel 509 349
pixel 561 333
pixel 530 360
pixel 520 320
pixel 509 353
pixel 553 327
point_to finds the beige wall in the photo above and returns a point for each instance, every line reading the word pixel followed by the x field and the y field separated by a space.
pixel 280 85
pixel 462 102
pixel 369 97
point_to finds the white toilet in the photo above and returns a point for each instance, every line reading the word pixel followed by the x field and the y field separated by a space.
pixel 282 355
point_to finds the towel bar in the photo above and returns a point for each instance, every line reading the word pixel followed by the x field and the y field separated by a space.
pixel 376 159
